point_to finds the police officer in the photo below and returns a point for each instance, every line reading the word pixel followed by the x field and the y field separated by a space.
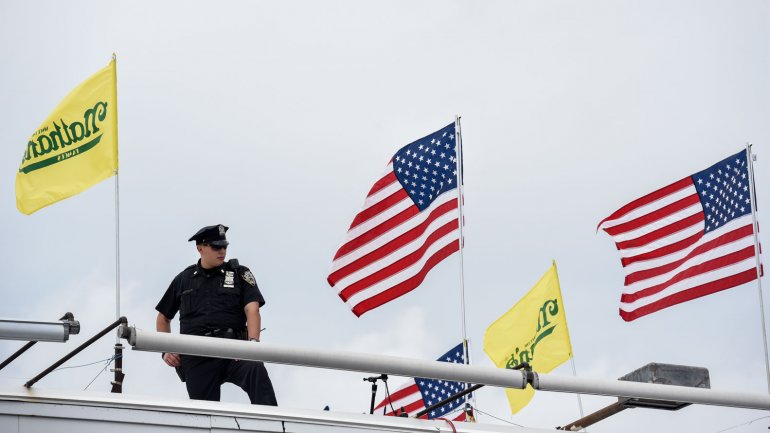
pixel 215 299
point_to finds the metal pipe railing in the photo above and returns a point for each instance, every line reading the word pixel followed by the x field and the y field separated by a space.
pixel 622 388
pixel 15 355
pixel 35 330
pixel 67 316
pixel 351 361
pixel 65 358
pixel 337 360
pixel 595 417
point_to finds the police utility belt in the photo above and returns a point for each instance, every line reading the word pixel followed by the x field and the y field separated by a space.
pixel 228 333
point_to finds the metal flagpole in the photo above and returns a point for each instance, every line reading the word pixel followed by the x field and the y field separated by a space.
pixel 473 395
pixel 459 165
pixel 572 352
pixel 574 373
pixel 117 211
pixel 458 161
pixel 753 195
pixel 117 247
pixel 117 382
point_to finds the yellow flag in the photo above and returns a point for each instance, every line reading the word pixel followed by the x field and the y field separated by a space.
pixel 533 331
pixel 75 148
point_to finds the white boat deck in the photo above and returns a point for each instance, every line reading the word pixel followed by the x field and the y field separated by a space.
pixel 34 410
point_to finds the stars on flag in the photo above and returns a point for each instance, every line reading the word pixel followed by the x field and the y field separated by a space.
pixel 427 167
pixel 724 192
pixel 434 391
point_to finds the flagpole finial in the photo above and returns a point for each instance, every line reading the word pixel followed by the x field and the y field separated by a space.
pixel 749 145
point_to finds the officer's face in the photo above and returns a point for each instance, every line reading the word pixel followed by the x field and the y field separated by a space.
pixel 211 257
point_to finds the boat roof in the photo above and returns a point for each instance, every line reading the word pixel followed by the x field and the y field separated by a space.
pixel 25 410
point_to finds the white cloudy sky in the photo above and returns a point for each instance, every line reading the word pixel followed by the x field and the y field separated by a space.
pixel 275 118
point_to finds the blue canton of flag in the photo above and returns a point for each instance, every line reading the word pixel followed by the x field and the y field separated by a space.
pixel 724 192
pixel 426 168
pixel 434 391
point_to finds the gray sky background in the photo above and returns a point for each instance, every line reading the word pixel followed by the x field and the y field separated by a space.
pixel 275 118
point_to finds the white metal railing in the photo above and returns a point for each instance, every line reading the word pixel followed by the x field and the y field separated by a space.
pixel 36 330
pixel 363 362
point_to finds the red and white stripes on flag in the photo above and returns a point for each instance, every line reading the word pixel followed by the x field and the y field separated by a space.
pixel 408 224
pixel 408 398
pixel 689 239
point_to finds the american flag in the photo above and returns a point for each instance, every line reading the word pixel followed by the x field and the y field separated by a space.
pixel 419 393
pixel 408 224
pixel 689 239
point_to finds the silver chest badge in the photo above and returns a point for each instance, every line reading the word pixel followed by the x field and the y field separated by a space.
pixel 229 279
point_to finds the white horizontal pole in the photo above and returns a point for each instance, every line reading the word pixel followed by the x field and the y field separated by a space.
pixel 352 361
pixel 337 360
pixel 31 330
pixel 622 388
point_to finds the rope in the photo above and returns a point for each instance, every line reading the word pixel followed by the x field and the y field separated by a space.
pixel 741 425
pixel 451 424
pixel 109 361
pixel 492 416
pixel 112 358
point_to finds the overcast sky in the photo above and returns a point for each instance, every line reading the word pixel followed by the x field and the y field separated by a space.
pixel 275 118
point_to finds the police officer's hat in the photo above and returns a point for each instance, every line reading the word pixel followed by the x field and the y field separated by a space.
pixel 212 235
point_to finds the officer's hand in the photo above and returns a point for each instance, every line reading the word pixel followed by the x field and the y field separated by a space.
pixel 172 359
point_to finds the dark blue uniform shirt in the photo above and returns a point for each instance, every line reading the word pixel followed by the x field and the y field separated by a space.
pixel 209 299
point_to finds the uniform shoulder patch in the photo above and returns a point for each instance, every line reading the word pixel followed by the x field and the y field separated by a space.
pixel 249 278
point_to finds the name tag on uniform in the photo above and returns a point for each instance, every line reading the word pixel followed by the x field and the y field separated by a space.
pixel 229 279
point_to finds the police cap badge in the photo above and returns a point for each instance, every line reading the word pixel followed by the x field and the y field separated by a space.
pixel 212 235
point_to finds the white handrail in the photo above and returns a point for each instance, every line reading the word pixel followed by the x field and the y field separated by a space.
pixel 35 330
pixel 622 388
pixel 364 362
pixel 331 359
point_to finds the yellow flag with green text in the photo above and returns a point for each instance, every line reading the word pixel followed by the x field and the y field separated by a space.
pixel 75 148
pixel 533 331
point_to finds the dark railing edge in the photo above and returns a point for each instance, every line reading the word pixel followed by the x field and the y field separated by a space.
pixel 65 358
